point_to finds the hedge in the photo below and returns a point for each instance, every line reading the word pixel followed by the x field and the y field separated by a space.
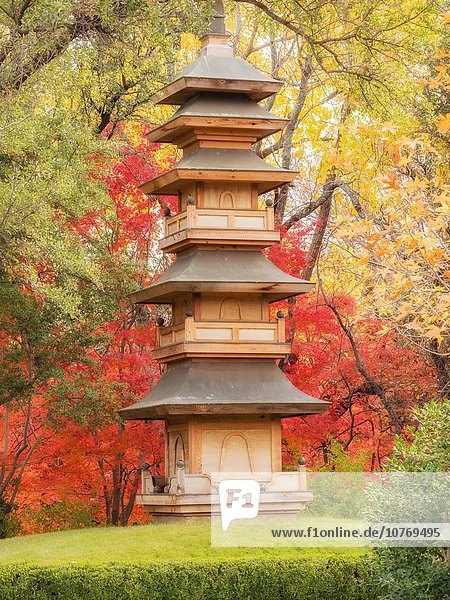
pixel 266 579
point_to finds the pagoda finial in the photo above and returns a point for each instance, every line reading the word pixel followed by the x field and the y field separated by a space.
pixel 215 40
pixel 217 25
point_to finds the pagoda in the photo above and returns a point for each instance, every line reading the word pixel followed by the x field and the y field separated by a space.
pixel 222 396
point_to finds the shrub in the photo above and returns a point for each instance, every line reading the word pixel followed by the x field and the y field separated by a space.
pixel 418 573
pixel 411 573
pixel 59 516
pixel 326 579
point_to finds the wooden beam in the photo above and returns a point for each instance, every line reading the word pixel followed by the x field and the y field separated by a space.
pixel 232 349
pixel 172 181
pixel 165 293
pixel 276 443
pixel 184 88
pixel 255 128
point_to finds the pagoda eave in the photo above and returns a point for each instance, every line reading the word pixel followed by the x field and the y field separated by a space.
pixel 162 412
pixel 256 129
pixel 171 182
pixel 219 387
pixel 222 271
pixel 166 293
pixel 184 88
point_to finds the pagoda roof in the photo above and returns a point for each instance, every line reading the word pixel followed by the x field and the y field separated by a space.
pixel 215 110
pixel 210 387
pixel 220 164
pixel 222 271
pixel 221 73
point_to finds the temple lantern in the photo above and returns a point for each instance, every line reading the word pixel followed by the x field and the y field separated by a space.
pixel 222 396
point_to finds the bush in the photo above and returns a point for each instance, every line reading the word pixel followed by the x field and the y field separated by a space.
pixel 61 515
pixel 411 573
pixel 326 579
pixel 9 522
pixel 418 573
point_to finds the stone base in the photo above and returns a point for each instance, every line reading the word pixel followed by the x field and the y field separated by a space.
pixel 167 507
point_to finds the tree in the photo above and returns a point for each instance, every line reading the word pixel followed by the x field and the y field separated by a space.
pixel 323 365
pixel 76 234
pixel 344 89
pixel 335 61
pixel 36 348
pixel 400 250
pixel 35 34
pixel 85 441
pixel 68 253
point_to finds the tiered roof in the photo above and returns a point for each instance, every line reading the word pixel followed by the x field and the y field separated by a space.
pixel 224 388
pixel 222 271
pixel 218 94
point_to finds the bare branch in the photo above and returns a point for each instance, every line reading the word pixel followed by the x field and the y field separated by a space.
pixel 373 386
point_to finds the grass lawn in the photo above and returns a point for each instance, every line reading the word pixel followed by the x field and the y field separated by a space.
pixel 145 543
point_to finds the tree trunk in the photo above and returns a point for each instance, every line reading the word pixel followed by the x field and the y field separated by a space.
pixel 319 233
pixel 116 492
pixel 282 193
pixel 127 509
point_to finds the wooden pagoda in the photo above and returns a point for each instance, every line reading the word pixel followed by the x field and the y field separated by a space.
pixel 222 395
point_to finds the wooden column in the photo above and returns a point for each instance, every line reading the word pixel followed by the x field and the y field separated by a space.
pixel 276 443
pixel 195 444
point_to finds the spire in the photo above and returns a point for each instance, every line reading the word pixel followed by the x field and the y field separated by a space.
pixel 215 40
pixel 217 25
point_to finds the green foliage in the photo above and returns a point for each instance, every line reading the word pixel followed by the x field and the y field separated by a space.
pixel 33 34
pixel 45 186
pixel 345 462
pixel 56 96
pixel 258 579
pixel 427 448
pixel 39 341
pixel 62 515
pixel 5 511
pixel 418 573
pixel 411 573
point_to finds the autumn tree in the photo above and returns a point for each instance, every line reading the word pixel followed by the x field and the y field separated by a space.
pixel 349 84
pixel 65 265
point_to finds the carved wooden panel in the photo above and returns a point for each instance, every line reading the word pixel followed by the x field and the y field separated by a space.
pixel 179 223
pixel 212 221
pixel 231 450
pixel 235 454
pixel 177 449
pixel 227 199
pixel 249 222
pixel 213 334
pixel 232 308
pixel 227 195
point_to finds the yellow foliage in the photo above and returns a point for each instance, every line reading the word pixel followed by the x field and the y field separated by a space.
pixel 443 124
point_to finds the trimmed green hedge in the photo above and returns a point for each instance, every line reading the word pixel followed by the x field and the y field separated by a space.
pixel 274 579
